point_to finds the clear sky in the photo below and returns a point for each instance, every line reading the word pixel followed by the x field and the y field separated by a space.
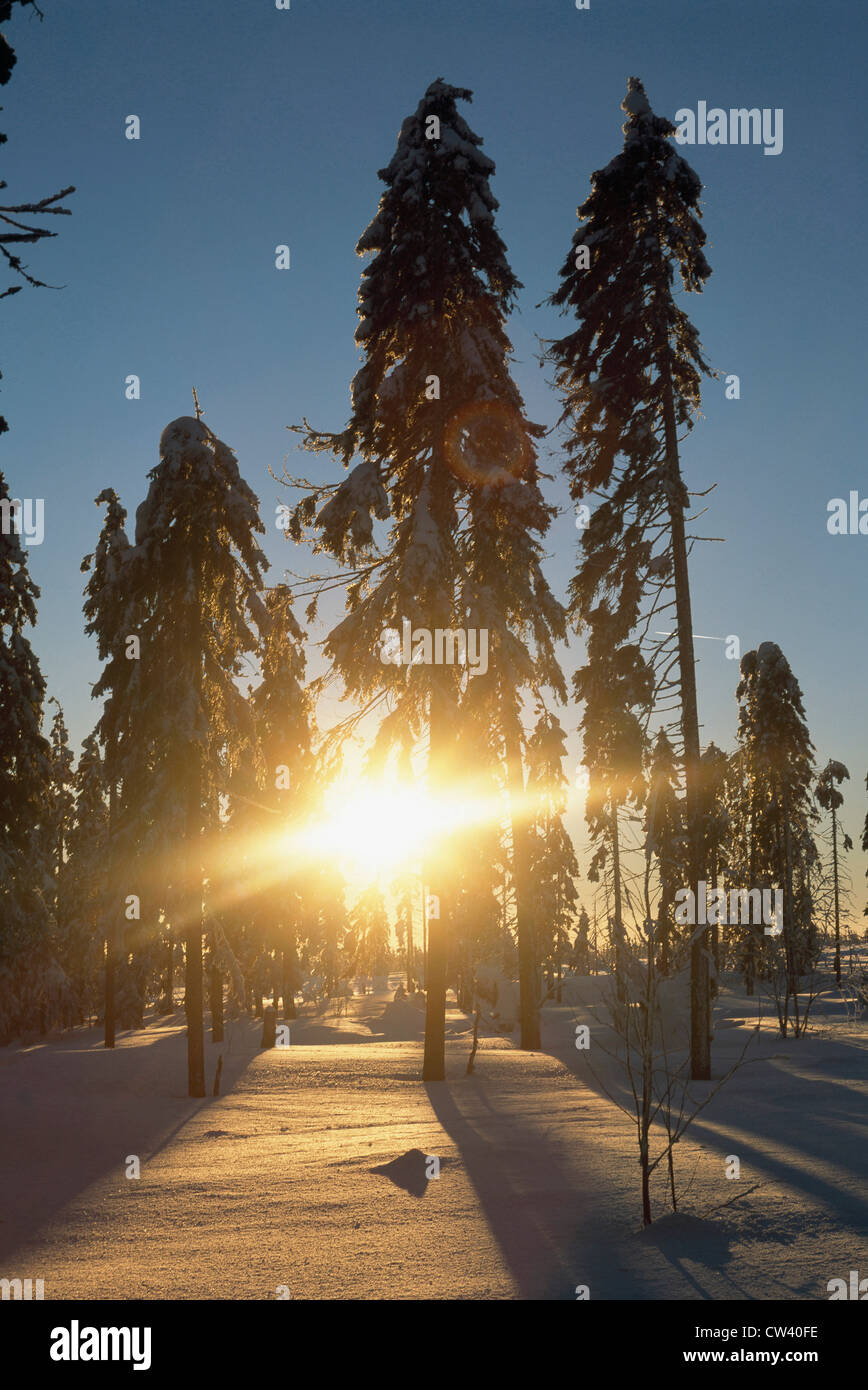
pixel 261 126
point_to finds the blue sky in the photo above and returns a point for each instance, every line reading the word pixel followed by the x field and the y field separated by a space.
pixel 262 127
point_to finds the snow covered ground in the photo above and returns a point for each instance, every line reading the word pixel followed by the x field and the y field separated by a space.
pixel 274 1184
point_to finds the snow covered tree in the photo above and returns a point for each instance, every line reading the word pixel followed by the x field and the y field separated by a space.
pixel 25 771
pixel 273 789
pixel 447 457
pixel 630 377
pixel 24 766
pixel 778 768
pixel 478 858
pixel 581 957
pixel 60 804
pixel 831 800
pixel 664 838
pixel 505 594
pixel 615 685
pixel 327 922
pixel 370 925
pixel 714 792
pixel 195 573
pixel 85 885
pixel 865 841
pixel 114 616
pixel 403 888
pixel 553 864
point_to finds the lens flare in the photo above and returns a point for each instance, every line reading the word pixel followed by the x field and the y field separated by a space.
pixel 486 445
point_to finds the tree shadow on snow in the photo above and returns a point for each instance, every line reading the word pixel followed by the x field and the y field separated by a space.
pixel 547 1233
pixel 73 1109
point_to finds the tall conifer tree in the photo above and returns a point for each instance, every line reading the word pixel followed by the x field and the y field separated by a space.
pixel 25 771
pixel 113 616
pixel 777 760
pixel 630 376
pixel 831 800
pixel 447 457
pixel 196 571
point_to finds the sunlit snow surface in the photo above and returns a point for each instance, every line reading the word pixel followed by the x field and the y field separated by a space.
pixel 276 1182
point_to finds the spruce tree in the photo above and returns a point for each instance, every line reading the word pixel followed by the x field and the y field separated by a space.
pixel 274 788
pixel 664 838
pixel 25 765
pixel 615 686
pixel 60 804
pixel 778 765
pixel 25 772
pixel 505 594
pixel 478 856
pixel 553 867
pixel 630 376
pixel 86 895
pixel 195 572
pixel 716 779
pixel 114 617
pixel 581 957
pixel 370 924
pixel 403 888
pixel 446 456
pixel 831 800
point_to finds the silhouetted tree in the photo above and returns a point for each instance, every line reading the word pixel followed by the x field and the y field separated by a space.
pixel 831 800
pixel 196 572
pixel 630 376
pixel 446 455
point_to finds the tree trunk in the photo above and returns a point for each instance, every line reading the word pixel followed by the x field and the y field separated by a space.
pixel 791 928
pixel 646 1040
pixel 170 972
pixel 700 979
pixel 663 933
pixel 434 1059
pixel 110 987
pixel 215 984
pixel 618 942
pixel 193 964
pixel 410 962
pixel 436 958
pixel 112 931
pixel 289 983
pixel 715 938
pixel 424 937
pixel 751 953
pixel 528 974
pixel 837 913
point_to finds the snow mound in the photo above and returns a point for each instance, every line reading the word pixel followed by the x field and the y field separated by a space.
pixel 683 1234
pixel 584 989
pixel 409 1172
pixel 401 1021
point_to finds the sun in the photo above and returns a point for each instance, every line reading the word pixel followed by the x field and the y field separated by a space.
pixel 369 830
pixel 373 828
